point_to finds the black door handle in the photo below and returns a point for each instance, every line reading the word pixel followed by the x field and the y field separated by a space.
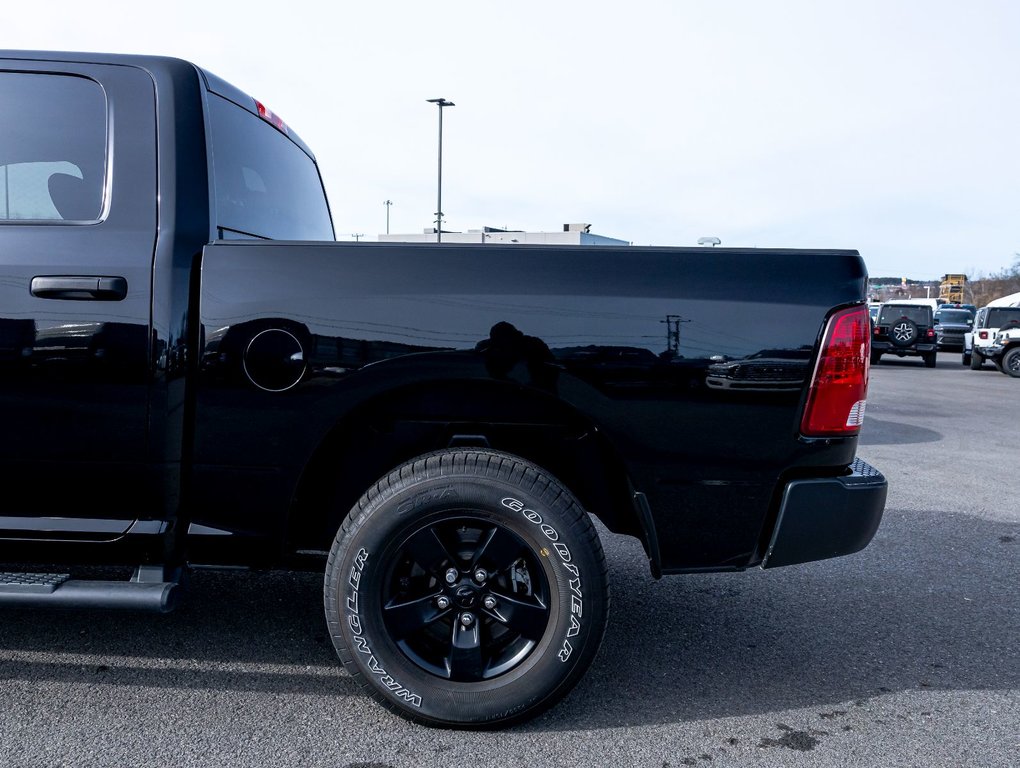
pixel 79 287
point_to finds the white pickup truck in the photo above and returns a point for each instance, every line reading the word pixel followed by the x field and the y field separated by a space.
pixel 987 322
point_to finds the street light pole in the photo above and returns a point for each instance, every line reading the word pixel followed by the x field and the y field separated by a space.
pixel 439 194
pixel 387 203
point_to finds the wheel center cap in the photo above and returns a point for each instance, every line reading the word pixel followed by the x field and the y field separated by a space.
pixel 465 596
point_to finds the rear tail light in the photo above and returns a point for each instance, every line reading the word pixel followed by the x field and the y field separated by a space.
pixel 982 334
pixel 839 386
pixel 931 333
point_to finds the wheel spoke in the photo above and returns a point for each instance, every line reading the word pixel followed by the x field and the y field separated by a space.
pixel 428 551
pixel 403 619
pixel 498 550
pixel 528 619
pixel 465 659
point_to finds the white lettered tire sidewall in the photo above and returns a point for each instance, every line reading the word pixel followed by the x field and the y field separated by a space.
pixel 493 487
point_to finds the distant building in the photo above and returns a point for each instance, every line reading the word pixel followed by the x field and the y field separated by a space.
pixel 572 234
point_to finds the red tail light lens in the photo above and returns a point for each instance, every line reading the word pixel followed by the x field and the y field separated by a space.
pixel 839 387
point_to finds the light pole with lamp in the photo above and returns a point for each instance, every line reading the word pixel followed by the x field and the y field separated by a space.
pixel 387 203
pixel 439 195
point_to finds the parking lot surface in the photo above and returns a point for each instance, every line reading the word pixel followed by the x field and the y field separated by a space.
pixel 905 654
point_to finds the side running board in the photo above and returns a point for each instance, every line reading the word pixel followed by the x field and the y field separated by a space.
pixel 152 588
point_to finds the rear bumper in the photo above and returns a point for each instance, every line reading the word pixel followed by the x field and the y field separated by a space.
pixel 827 517
pixel 888 348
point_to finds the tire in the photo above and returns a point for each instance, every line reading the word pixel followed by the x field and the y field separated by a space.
pixel 903 332
pixel 965 358
pixel 929 359
pixel 430 637
pixel 976 361
pixel 1010 362
pixel 875 357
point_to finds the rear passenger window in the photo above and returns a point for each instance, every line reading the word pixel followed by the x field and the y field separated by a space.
pixel 920 315
pixel 52 148
pixel 265 184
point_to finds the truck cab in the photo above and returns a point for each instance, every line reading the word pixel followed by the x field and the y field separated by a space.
pixel 108 194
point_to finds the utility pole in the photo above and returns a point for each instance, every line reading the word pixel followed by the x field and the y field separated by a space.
pixel 673 333
pixel 439 195
pixel 387 203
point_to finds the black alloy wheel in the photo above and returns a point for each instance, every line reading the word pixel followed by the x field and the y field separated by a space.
pixel 466 599
pixel 1011 362
pixel 467 588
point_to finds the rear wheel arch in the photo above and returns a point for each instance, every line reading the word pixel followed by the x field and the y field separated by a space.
pixel 399 425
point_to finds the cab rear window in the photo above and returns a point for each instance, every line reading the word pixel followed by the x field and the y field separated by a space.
pixel 52 148
pixel 265 185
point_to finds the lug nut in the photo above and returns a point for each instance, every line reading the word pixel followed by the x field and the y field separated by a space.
pixel 489 602
pixel 442 603
pixel 451 575
pixel 481 576
pixel 467 619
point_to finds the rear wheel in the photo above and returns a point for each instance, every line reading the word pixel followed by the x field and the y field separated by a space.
pixel 965 358
pixel 467 588
pixel 976 360
pixel 929 359
pixel 875 357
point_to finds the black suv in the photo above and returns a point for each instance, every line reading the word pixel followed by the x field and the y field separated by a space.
pixel 902 330
pixel 951 323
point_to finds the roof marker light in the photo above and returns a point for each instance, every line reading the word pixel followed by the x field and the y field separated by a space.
pixel 271 117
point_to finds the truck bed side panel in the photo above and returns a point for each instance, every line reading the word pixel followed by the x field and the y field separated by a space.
pixel 692 362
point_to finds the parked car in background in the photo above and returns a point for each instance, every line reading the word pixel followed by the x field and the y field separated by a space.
pixel 1005 350
pixel 951 323
pixel 904 329
pixel 987 322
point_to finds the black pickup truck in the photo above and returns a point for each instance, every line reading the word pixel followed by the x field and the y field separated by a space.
pixel 193 373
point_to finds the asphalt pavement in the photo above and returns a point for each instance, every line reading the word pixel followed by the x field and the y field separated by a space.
pixel 905 654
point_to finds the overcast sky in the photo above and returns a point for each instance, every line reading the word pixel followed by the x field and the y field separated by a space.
pixel 889 127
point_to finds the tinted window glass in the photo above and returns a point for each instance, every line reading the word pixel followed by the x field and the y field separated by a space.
pixel 999 316
pixel 52 148
pixel 953 316
pixel 265 184
pixel 919 314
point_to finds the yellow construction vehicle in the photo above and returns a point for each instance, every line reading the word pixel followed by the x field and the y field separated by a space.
pixel 951 288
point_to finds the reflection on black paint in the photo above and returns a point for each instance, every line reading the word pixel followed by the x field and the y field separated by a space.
pixel 507 347
pixel 772 370
pixel 615 369
pixel 74 350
